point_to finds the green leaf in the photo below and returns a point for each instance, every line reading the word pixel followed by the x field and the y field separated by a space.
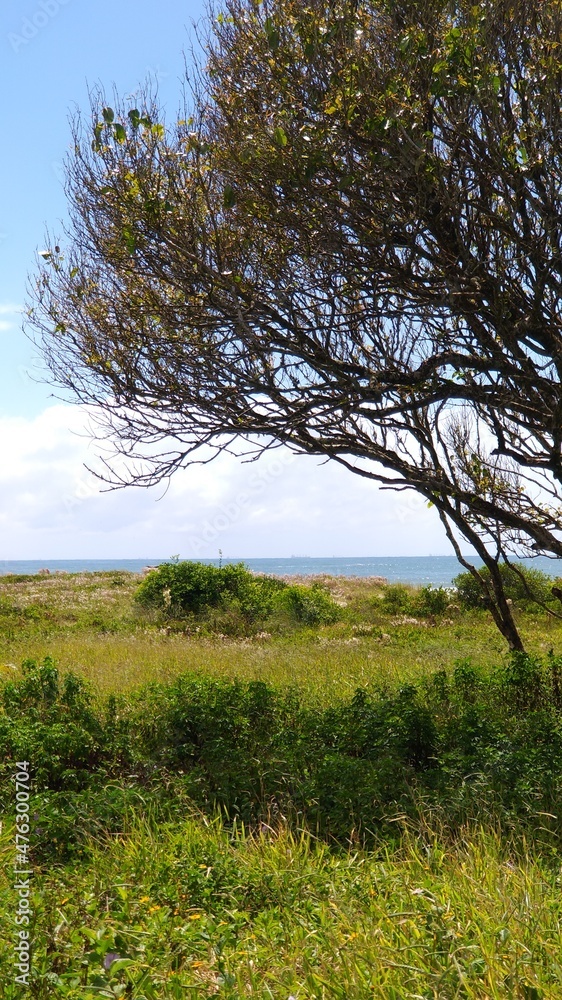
pixel 129 239
pixel 90 934
pixel 119 964
pixel 280 137
pixel 96 143
pixel 229 196
pixel 119 132
pixel 134 117
pixel 272 32
pixel 108 115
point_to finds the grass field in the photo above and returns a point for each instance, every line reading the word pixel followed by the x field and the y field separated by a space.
pixel 88 623
pixel 288 840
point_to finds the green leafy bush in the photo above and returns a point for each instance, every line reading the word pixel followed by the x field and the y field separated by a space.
pixel 192 588
pixel 432 601
pixel 230 598
pixel 307 605
pixel 469 744
pixel 396 599
pixel 523 587
pixel 189 587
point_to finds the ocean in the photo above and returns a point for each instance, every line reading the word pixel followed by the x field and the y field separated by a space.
pixel 421 570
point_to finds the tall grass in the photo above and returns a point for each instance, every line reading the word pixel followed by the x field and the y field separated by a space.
pixel 202 811
pixel 89 624
pixel 160 912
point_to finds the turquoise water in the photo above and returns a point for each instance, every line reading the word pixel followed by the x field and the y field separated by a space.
pixel 435 570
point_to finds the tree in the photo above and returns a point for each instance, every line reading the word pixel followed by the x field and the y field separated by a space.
pixel 350 245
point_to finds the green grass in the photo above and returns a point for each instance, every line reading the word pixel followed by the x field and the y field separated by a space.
pixel 89 624
pixel 195 911
pixel 458 784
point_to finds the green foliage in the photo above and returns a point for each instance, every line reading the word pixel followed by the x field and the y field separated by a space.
pixel 396 599
pixel 460 742
pixel 523 586
pixel 192 587
pixel 167 910
pixel 307 605
pixel 241 599
pixel 52 723
pixel 428 601
pixel 432 600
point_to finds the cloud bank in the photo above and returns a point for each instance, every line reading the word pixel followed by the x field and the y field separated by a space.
pixel 281 505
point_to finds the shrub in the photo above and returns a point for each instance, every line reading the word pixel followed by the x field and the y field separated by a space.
pixel 432 601
pixel 472 744
pixel 186 588
pixel 307 605
pixel 524 587
pixel 229 598
pixel 189 587
pixel 397 599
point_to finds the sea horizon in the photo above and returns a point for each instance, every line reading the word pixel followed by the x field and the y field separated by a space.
pixel 418 570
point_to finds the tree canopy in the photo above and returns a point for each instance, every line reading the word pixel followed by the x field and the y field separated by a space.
pixel 350 244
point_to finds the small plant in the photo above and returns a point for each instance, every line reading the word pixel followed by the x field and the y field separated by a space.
pixel 523 586
pixel 307 605
pixel 432 601
pixel 396 599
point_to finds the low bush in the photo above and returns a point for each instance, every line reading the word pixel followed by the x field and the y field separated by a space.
pixel 474 745
pixel 192 587
pixel 398 599
pixel 524 586
pixel 230 599
pixel 432 601
pixel 306 605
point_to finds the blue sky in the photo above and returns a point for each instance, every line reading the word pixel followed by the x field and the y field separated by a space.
pixel 51 53
pixel 50 506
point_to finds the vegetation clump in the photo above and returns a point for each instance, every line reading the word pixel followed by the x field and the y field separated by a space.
pixel 264 815
pixel 453 741
pixel 230 598
pixel 524 586
pixel 397 599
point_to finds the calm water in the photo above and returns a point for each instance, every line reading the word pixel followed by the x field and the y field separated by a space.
pixel 436 570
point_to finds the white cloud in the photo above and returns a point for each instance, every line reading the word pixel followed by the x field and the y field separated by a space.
pixel 280 505
pixel 9 309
